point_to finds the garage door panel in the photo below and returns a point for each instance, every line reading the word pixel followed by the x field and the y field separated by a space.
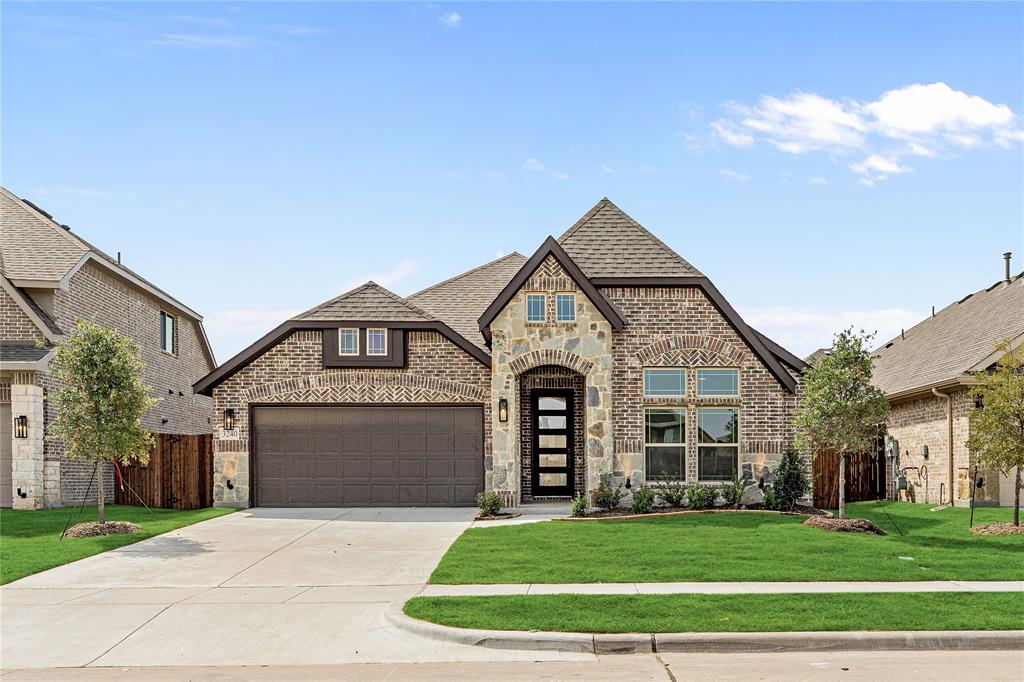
pixel 357 456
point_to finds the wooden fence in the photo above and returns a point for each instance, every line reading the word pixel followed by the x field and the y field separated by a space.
pixel 865 478
pixel 179 474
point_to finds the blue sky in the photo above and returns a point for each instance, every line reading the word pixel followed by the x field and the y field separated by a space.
pixel 824 164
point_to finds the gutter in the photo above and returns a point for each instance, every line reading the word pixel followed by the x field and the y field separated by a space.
pixel 949 438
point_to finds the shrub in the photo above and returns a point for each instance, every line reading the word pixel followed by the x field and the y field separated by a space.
pixel 672 491
pixel 606 497
pixel 770 501
pixel 791 481
pixel 732 493
pixel 490 503
pixel 643 500
pixel 701 496
pixel 578 506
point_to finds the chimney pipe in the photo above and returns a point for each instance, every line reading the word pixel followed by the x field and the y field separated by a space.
pixel 118 257
pixel 1006 257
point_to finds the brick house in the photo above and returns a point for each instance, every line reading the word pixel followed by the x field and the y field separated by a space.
pixel 604 355
pixel 50 277
pixel 927 373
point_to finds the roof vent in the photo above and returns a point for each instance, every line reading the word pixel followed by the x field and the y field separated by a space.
pixel 66 227
pixel 38 209
pixel 1006 259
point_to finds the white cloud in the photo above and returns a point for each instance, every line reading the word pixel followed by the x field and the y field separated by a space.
pixel 535 166
pixel 607 169
pixel 817 180
pixel 801 122
pixel 232 330
pixel 804 330
pixel 731 134
pixel 451 19
pixel 731 174
pixel 878 164
pixel 936 107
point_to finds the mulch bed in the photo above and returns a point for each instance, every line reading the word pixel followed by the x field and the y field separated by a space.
pixel 844 525
pixel 1002 528
pixel 95 528
pixel 497 517
pixel 624 512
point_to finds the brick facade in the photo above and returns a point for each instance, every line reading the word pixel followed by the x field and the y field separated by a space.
pixel 14 323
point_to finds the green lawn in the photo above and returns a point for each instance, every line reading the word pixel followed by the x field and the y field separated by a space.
pixel 725 547
pixel 30 540
pixel 727 613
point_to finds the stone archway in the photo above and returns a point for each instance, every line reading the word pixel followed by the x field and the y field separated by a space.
pixel 555 378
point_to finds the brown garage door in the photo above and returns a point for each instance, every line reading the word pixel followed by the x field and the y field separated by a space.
pixel 413 455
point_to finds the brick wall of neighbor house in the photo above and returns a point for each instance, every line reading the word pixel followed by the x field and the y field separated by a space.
pixel 680 327
pixel 15 325
pixel 437 371
pixel 923 421
pixel 551 377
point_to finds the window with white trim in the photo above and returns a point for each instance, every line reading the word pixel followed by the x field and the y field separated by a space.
pixel 664 382
pixel 167 323
pixel 718 447
pixel 376 342
pixel 665 442
pixel 348 342
pixel 718 382
pixel 536 308
pixel 565 307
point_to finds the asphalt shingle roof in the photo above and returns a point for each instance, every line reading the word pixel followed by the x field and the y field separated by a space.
pixel 460 301
pixel 370 302
pixel 14 351
pixel 956 339
pixel 32 246
pixel 606 242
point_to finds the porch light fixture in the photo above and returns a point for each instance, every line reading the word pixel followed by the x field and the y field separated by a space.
pixel 502 410
pixel 229 419
pixel 21 427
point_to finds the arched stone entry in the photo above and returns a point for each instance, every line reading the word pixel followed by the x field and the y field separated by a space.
pixel 551 380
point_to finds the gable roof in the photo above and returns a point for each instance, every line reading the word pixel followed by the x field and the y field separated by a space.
pixel 549 248
pixel 781 354
pixel 606 242
pixel 32 245
pixel 461 300
pixel 42 320
pixel 369 302
pixel 956 341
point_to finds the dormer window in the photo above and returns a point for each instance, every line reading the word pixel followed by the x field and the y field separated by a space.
pixel 536 308
pixel 376 342
pixel 348 342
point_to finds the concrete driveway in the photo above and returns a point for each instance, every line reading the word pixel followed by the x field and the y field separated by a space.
pixel 258 587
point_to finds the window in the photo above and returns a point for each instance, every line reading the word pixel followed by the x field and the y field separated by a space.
pixel 718 443
pixel 565 307
pixel 661 383
pixel 166 332
pixel 718 382
pixel 535 308
pixel 665 442
pixel 348 342
pixel 376 342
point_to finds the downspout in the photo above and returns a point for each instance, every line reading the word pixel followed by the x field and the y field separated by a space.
pixel 949 438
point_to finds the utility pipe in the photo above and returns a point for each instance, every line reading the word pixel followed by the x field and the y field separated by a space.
pixel 949 439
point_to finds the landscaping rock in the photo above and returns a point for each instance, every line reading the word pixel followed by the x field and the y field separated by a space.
pixel 844 525
pixel 95 528
pixel 1002 528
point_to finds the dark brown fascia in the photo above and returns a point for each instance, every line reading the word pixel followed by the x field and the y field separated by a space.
pixel 788 359
pixel 723 307
pixel 206 385
pixel 553 248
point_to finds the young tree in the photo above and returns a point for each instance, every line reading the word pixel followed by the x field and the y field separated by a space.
pixel 997 427
pixel 100 407
pixel 840 409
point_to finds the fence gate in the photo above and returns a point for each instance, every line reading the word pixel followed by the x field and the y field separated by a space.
pixel 865 478
pixel 179 474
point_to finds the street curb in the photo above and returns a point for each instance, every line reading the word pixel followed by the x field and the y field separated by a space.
pixel 712 642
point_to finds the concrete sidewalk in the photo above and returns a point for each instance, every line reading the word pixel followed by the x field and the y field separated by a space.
pixel 723 588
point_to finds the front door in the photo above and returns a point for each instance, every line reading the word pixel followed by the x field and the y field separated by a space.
pixel 552 442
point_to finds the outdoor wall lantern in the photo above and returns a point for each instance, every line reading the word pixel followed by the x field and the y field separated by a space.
pixel 502 410
pixel 229 419
pixel 21 427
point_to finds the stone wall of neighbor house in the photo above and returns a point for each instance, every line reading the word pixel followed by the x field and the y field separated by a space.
pixel 551 376
pixel 15 325
pixel 923 421
pixel 584 346
pixel 680 327
pixel 437 371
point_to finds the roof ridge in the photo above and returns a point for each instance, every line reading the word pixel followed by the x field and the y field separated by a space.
pixel 466 273
pixel 585 218
pixel 369 284
pixel 47 220
pixel 399 299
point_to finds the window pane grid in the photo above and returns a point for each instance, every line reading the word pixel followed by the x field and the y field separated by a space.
pixel 565 305
pixel 664 382
pixel 348 342
pixel 718 382
pixel 535 305
pixel 376 342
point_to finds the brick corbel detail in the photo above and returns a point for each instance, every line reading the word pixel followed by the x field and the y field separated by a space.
pixel 360 381
pixel 691 342
pixel 550 356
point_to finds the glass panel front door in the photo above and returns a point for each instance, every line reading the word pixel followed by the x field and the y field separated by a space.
pixel 552 442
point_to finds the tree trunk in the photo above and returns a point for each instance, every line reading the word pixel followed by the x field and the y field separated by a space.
pixel 1016 500
pixel 842 485
pixel 100 494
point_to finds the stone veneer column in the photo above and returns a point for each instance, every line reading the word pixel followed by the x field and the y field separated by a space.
pixel 27 453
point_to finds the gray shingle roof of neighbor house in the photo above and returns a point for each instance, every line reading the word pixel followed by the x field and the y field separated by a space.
pixel 958 340
pixel 606 242
pixel 370 302
pixel 460 301
pixel 15 351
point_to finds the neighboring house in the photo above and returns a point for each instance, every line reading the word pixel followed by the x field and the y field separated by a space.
pixel 604 355
pixel 927 373
pixel 50 277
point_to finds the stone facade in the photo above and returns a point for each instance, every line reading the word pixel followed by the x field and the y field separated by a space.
pixel 292 372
